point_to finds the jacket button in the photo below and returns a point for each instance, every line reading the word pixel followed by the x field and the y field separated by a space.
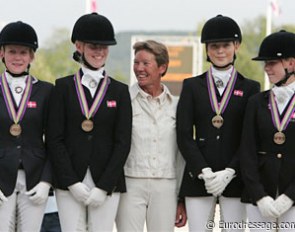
pixel 279 156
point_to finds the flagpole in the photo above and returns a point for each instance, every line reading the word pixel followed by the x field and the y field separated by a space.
pixel 268 32
pixel 87 6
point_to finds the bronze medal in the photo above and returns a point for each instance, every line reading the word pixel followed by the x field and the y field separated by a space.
pixel 217 121
pixel 87 125
pixel 15 130
pixel 16 115
pixel 219 107
pixel 279 137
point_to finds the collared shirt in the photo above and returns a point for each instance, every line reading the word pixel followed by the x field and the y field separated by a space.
pixel 17 86
pixel 91 79
pixel 283 95
pixel 154 147
pixel 223 76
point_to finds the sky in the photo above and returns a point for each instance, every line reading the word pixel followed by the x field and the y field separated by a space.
pixel 149 15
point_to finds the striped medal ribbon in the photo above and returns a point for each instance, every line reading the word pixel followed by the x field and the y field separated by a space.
pixel 16 116
pixel 219 107
pixel 279 137
pixel 87 125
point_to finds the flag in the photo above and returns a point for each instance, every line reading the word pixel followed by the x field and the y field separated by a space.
pixel 112 104
pixel 32 104
pixel 239 93
pixel 91 6
pixel 276 10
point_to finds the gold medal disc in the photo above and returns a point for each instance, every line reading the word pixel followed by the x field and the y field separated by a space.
pixel 87 125
pixel 15 130
pixel 217 121
pixel 279 137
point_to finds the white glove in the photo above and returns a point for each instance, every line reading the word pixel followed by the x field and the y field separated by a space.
pixel 267 208
pixel 206 174
pixel 80 191
pixel 283 203
pixel 97 197
pixel 221 180
pixel 39 193
pixel 2 198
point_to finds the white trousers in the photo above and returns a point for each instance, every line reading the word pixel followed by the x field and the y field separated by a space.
pixel 150 201
pixel 75 216
pixel 201 211
pixel 259 223
pixel 19 213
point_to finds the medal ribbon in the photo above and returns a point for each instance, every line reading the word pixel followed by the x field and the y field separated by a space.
pixel 16 116
pixel 217 107
pixel 281 125
pixel 82 98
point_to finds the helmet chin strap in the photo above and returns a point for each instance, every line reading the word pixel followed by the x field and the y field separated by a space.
pixel 285 79
pixel 81 59
pixel 85 62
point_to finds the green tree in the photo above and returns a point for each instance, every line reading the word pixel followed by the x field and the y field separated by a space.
pixel 253 31
pixel 55 59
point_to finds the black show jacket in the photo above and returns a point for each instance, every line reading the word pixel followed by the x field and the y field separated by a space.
pixel 208 146
pixel 104 150
pixel 267 168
